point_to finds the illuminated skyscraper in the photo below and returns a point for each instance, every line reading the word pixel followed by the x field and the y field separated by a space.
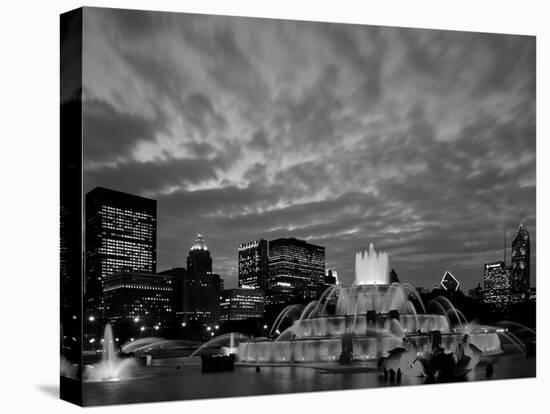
pixel 199 259
pixel 496 285
pixel 253 264
pixel 197 288
pixel 121 235
pixel 296 269
pixel 521 256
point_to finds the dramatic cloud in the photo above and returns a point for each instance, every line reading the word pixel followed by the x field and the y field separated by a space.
pixel 421 141
pixel 111 134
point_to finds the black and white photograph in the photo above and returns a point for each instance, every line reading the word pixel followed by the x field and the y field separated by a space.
pixel 257 206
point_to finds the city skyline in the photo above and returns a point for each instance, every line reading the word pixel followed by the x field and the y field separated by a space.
pixel 341 135
pixel 122 284
pixel 200 244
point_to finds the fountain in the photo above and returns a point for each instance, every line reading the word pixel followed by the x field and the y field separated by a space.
pixel 159 347
pixel 226 343
pixel 231 349
pixel 68 369
pixel 374 317
pixel 372 268
pixel 111 367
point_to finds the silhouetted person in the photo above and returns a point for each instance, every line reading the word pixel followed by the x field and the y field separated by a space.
pixel 381 367
pixel 257 368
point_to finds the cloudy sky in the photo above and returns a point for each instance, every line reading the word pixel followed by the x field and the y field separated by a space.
pixel 421 141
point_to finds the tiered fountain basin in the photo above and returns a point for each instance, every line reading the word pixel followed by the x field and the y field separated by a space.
pixel 331 326
pixel 365 348
pixel 374 314
pixel 369 318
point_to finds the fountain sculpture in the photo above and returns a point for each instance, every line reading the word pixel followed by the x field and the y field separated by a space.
pixel 377 314
pixel 111 367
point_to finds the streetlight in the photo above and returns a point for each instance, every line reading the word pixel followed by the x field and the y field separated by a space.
pixel 208 328
pixel 136 319
pixel 142 328
pixel 91 318
pixel 92 341
pixel 156 327
pixel 184 324
pixel 217 327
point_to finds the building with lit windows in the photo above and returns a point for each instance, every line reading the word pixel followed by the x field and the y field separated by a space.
pixel 296 270
pixel 197 288
pixel 521 257
pixel 121 234
pixel 496 285
pixel 144 298
pixel 241 303
pixel 253 264
pixel 199 259
pixel 476 293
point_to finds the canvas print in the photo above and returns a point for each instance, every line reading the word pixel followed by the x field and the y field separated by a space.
pixel 258 206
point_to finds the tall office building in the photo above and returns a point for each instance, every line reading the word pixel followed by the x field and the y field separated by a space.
pixel 296 269
pixel 199 259
pixel 70 269
pixel 197 288
pixel 242 303
pixel 476 293
pixel 121 235
pixel 496 285
pixel 253 264
pixel 521 256
pixel 146 299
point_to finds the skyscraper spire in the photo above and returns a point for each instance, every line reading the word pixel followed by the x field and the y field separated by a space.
pixel 199 243
pixel 521 255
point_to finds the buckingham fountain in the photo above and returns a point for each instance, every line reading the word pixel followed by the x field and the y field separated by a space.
pixel 366 322
pixel 374 325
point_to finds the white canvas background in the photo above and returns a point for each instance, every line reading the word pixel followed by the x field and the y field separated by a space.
pixel 29 203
